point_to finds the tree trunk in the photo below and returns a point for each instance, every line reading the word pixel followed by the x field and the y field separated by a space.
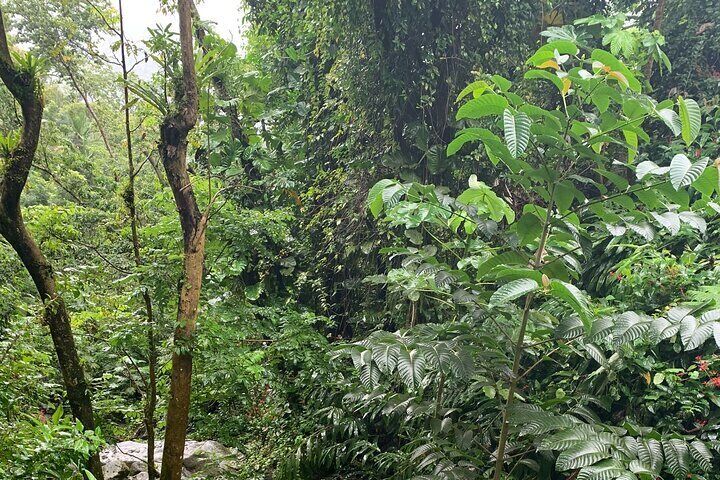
pixel 173 151
pixel 151 390
pixel 28 93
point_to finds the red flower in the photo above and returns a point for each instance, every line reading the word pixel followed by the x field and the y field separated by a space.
pixel 715 382
pixel 704 366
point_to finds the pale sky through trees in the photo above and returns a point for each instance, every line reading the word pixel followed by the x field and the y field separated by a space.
pixel 143 14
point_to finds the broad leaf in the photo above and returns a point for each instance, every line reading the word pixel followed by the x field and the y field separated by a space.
pixel 683 172
pixel 484 105
pixel 581 455
pixel 511 291
pixel 690 119
pixel 517 131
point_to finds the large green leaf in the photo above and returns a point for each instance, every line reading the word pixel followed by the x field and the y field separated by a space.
pixel 517 131
pixel 605 470
pixel 677 456
pixel 483 106
pixel 477 88
pixel 581 455
pixel 375 200
pixel 411 367
pixel 483 197
pixel 575 299
pixel 547 51
pixel 690 118
pixel 534 74
pixel 699 451
pixel 683 172
pixel 650 453
pixel 671 119
pixel 511 291
pixel 609 60
pixel 669 220
pixel 469 135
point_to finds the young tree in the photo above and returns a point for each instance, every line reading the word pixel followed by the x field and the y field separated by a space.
pixel 173 150
pixel 151 384
pixel 22 82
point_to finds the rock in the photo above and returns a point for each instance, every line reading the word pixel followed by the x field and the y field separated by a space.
pixel 128 460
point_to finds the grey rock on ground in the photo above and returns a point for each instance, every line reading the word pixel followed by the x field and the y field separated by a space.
pixel 205 459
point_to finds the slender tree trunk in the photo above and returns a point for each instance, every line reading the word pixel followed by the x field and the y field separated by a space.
pixel 151 391
pixel 173 151
pixel 520 347
pixel 28 93
pixel 88 106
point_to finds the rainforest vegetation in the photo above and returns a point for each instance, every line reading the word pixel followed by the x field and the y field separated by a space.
pixel 362 239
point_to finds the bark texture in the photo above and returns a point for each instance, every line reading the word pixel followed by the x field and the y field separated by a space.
pixel 15 169
pixel 173 151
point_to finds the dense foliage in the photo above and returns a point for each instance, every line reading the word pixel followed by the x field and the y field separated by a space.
pixel 445 240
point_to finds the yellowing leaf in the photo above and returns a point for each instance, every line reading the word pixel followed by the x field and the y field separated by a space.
pixel 549 64
pixel 619 77
pixel 566 85
pixel 646 376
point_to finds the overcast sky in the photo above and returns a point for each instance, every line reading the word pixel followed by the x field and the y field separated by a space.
pixel 143 14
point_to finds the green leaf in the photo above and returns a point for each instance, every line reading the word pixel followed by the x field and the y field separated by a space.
pixel 501 259
pixel 547 51
pixel 669 220
pixel 693 220
pixel 608 59
pixel 708 182
pixel 565 439
pixel 649 167
pixel 517 131
pixel 528 228
pixel 483 106
pixel 502 83
pixel 676 456
pixel 629 326
pixel 57 415
pixel 650 454
pixel 511 291
pixel 477 88
pixel 581 455
pixel 671 119
pixel 483 197
pixel 700 452
pixel 375 201
pixel 690 118
pixel 575 299
pixel 683 172
pixel 605 470
pixel 411 368
pixel 545 75
pixel 469 135
pixel 698 335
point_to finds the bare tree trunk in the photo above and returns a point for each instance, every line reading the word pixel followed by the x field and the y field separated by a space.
pixel 173 150
pixel 151 390
pixel 28 93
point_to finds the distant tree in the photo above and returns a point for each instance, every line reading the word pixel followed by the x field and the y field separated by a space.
pixel 20 76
